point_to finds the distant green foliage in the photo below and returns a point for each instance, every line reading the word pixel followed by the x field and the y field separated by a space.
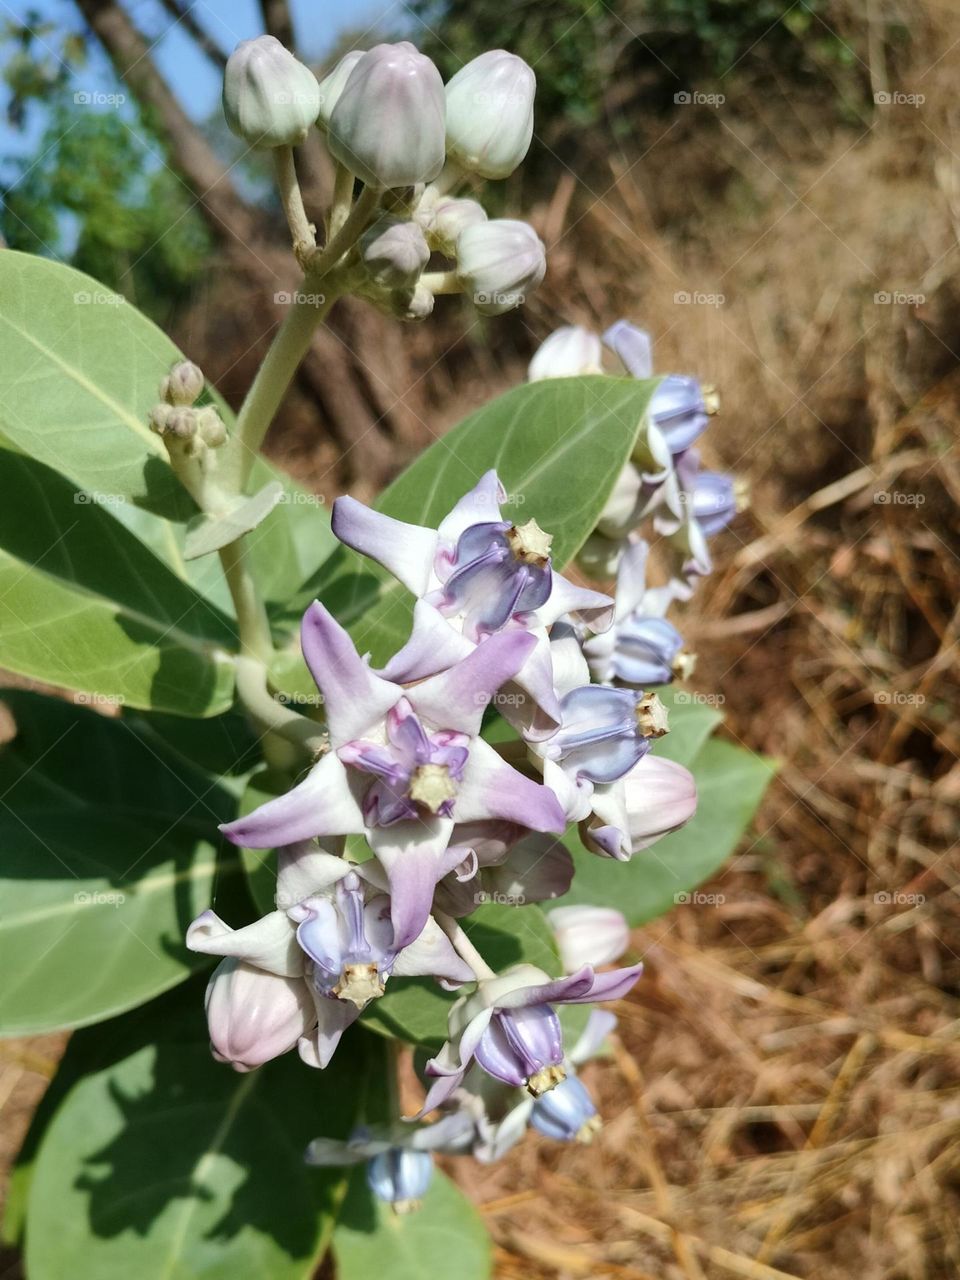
pixel 95 190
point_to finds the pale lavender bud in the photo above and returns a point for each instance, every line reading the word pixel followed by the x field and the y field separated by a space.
pixel 660 796
pixel 490 114
pixel 394 252
pixel 568 352
pixel 182 384
pixel 211 427
pixel 388 124
pixel 333 85
pixel 269 98
pixel 588 935
pixel 400 1177
pixel 567 1113
pixel 253 1016
pixel 444 220
pixel 499 263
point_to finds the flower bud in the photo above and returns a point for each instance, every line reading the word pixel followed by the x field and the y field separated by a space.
pixel 211 427
pixel 182 384
pixel 660 796
pixel 714 500
pixel 388 124
pixel 588 935
pixel 498 263
pixel 269 98
pixel 413 304
pixel 490 114
pixel 333 85
pixel 568 352
pixel 566 1113
pixel 168 420
pixel 444 220
pixel 679 410
pixel 400 1177
pixel 253 1015
pixel 394 252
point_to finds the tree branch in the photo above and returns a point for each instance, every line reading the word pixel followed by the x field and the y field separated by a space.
pixel 184 18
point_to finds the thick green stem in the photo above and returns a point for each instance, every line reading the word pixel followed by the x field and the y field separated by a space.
pixel 276 373
pixel 342 197
pixel 252 623
pixel 347 236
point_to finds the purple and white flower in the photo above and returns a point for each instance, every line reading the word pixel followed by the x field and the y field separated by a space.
pixel 476 576
pixel 510 1027
pixel 302 974
pixel 404 766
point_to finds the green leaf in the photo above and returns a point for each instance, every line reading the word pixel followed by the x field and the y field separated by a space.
pixel 730 783
pixel 206 534
pixel 692 720
pixel 445 1235
pixel 416 1010
pixel 558 446
pixel 107 857
pixel 81 372
pixel 164 1163
pixel 260 865
pixel 85 605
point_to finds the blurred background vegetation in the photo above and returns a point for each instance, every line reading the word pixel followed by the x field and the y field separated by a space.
pixel 772 189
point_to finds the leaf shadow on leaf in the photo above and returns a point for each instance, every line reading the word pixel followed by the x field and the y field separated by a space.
pixel 227 1147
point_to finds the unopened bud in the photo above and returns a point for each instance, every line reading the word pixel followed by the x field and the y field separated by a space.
pixel 253 1015
pixel 394 252
pixel 444 220
pixel 388 124
pixel 412 304
pixel 490 114
pixel 269 98
pixel 211 427
pixel 588 935
pixel 182 384
pixel 568 352
pixel 499 263
pixel 167 420
pixel 333 85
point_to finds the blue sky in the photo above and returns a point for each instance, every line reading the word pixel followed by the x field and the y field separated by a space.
pixel 318 24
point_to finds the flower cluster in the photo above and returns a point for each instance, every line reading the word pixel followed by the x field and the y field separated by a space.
pixel 390 122
pixel 445 821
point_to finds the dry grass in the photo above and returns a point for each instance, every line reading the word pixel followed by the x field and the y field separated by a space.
pixel 783 1098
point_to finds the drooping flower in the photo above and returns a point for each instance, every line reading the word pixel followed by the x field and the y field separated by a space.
pixel 303 973
pixel 641 647
pixel 404 766
pixel 398 1156
pixel 510 1028
pixel 475 576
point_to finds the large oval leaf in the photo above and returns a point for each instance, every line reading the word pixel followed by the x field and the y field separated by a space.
pixel 730 786
pixel 164 1163
pixel 106 858
pixel 445 1236
pixel 557 445
pixel 85 605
